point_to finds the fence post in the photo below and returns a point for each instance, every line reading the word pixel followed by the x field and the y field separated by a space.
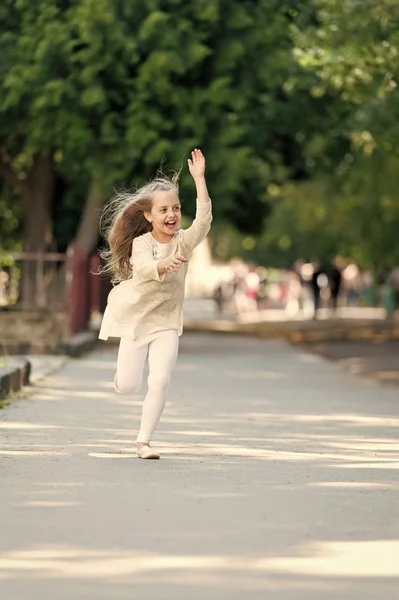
pixel 79 299
pixel 68 288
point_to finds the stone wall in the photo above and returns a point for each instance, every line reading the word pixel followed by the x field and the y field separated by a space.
pixel 31 332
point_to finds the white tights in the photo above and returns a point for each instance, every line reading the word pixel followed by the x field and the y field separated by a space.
pixel 161 349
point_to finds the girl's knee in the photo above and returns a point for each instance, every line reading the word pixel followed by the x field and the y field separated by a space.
pixel 159 382
pixel 127 387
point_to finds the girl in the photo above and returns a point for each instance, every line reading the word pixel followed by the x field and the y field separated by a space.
pixel 148 255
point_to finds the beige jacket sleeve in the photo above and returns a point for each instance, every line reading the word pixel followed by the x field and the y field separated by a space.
pixel 145 267
pixel 200 227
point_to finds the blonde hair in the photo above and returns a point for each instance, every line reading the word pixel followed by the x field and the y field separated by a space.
pixel 123 220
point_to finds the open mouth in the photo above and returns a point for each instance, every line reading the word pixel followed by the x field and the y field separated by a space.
pixel 170 224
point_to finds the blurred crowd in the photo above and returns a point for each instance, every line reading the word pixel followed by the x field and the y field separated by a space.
pixel 305 289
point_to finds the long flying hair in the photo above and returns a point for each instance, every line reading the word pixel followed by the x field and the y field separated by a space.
pixel 123 220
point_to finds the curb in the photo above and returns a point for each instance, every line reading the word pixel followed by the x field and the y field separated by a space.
pixel 14 377
pixel 45 365
pixel 79 344
pixel 304 332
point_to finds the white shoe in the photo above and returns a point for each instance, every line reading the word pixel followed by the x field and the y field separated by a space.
pixel 144 451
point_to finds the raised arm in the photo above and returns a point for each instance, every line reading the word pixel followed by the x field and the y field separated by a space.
pixel 202 222
pixel 196 167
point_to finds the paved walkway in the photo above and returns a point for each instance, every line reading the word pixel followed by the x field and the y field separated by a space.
pixel 279 480
pixel 379 360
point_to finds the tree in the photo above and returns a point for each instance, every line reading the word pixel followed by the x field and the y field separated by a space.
pixel 99 91
pixel 351 204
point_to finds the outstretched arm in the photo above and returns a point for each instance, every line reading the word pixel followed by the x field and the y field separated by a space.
pixel 196 167
pixel 201 225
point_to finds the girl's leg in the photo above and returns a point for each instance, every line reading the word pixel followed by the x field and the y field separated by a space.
pixel 162 359
pixel 130 366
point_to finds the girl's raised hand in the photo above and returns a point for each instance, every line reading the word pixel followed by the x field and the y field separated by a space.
pixel 196 164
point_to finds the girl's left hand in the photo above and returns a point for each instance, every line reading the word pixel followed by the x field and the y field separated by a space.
pixel 197 164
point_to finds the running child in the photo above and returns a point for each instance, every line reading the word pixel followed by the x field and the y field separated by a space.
pixel 148 256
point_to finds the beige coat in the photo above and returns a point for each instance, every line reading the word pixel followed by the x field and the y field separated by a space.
pixel 148 303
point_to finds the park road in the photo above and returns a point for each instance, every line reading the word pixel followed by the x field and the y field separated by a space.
pixel 278 480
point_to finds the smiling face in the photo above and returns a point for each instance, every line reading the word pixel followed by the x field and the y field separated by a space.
pixel 165 215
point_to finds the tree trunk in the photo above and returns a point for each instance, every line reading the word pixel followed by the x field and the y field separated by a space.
pixel 82 291
pixel 38 235
pixel 87 235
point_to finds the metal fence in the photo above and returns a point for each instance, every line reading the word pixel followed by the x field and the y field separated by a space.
pixel 55 282
pixel 33 280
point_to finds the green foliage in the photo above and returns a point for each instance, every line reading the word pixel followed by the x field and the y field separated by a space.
pixel 10 215
pixel 352 47
pixel 112 89
pixel 294 103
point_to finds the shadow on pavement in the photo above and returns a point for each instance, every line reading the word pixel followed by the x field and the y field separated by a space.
pixel 278 479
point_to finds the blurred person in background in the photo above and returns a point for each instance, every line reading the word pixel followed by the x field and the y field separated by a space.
pixel 222 295
pixel 305 270
pixel 335 280
pixel 368 288
pixel 225 292
pixel 252 283
pixel 148 256
pixel 294 294
pixel 395 285
pixel 319 278
pixel 263 287
pixel 239 296
pixel 219 297
pixel 4 279
pixel 353 284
